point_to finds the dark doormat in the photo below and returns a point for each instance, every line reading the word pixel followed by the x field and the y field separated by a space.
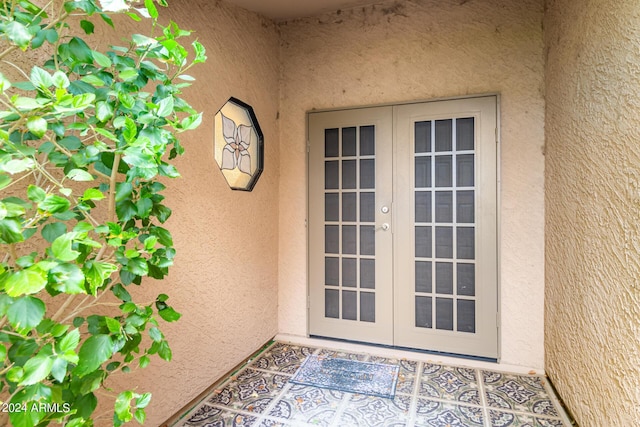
pixel 373 379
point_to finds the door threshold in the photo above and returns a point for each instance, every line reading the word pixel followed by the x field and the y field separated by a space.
pixel 411 349
pixel 404 353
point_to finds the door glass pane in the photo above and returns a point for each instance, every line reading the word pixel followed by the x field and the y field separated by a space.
pixel 444 278
pixel 423 137
pixel 466 279
pixel 367 306
pixel 465 134
pixel 367 140
pixel 331 207
pixel 349 305
pixel 423 276
pixel 367 207
pixel 367 273
pixel 423 312
pixel 349 141
pixel 444 206
pixel 331 143
pixel 349 241
pixel 423 206
pixel 331 271
pixel 423 172
pixel 465 174
pixel 444 242
pixel 331 303
pixel 443 171
pixel 444 314
pixel 443 135
pixel 466 315
pixel 367 173
pixel 423 242
pixel 349 206
pixel 331 175
pixel 367 240
pixel 349 174
pixel 465 207
pixel 331 239
pixel 349 272
pixel 466 242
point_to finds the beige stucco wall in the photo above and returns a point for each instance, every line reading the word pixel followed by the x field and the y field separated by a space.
pixel 592 336
pixel 417 50
pixel 224 281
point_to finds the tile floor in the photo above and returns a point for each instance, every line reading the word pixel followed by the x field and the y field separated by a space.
pixel 427 394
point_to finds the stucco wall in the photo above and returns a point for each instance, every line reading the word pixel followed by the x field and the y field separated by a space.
pixel 224 281
pixel 593 208
pixel 417 50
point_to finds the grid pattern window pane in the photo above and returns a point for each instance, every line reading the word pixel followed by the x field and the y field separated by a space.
pixel 444 196
pixel 350 214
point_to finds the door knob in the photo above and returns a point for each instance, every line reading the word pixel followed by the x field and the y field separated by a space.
pixel 385 226
pixel 384 209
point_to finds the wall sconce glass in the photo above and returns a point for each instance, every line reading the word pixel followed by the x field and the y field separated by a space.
pixel 238 145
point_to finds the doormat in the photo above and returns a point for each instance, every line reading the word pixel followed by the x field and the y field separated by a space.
pixel 373 379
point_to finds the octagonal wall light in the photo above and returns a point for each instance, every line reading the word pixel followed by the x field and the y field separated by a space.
pixel 238 145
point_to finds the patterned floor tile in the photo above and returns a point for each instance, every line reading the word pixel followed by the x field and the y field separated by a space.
pixel 284 358
pixel 364 411
pixel 507 419
pixel 406 375
pixel 430 413
pixel 518 392
pixel 250 390
pixel 208 416
pixel 306 404
pixel 449 383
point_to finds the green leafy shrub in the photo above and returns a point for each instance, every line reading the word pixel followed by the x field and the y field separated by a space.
pixel 86 141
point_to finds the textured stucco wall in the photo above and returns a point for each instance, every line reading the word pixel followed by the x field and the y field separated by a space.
pixel 415 50
pixel 592 337
pixel 224 281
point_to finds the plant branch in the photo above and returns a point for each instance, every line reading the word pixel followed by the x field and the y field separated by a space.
pixel 111 215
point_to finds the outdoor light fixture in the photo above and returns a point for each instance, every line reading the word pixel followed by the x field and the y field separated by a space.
pixel 238 145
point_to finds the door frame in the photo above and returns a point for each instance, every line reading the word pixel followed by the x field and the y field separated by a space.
pixel 498 184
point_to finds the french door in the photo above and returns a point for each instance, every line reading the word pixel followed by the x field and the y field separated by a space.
pixel 402 225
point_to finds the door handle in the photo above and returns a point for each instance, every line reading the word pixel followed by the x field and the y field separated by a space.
pixel 384 227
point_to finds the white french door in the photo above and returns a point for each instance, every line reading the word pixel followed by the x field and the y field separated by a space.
pixel 402 225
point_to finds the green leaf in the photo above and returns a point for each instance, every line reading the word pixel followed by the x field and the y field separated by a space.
pixel 151 8
pixel 26 313
pixel 59 369
pixel 93 80
pixel 80 51
pixel 62 247
pixel 137 266
pixel 130 130
pixel 92 194
pixel 10 231
pixel 87 26
pixel 123 191
pixel 26 104
pixel 53 230
pixel 18 165
pixel 104 111
pixel 4 181
pixel 68 278
pixel 200 52
pixel 113 325
pixel 155 334
pixel 140 415
pixel 96 350
pixel 60 80
pixel 35 193
pixel 144 361
pixel 101 59
pixel 36 370
pixel 143 400
pixel 18 33
pixel 25 282
pixel 4 83
pixel 121 293
pixel 128 74
pixel 123 406
pixel 79 175
pixel 191 122
pixel 169 314
pixel 165 106
pixel 54 204
pixel 37 126
pixel 69 342
pixel 163 235
pixel 40 78
pixel 97 273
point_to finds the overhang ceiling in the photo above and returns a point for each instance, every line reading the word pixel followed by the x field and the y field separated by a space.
pixel 281 10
